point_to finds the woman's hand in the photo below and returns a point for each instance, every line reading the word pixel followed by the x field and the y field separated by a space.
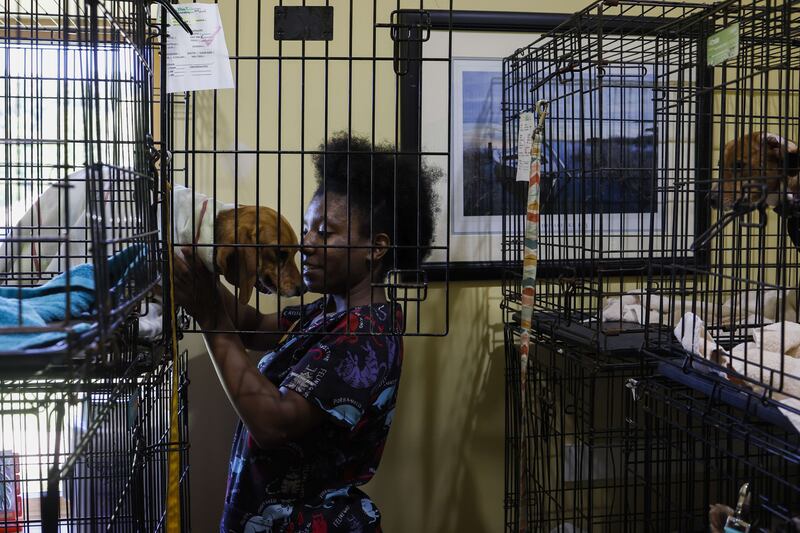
pixel 195 287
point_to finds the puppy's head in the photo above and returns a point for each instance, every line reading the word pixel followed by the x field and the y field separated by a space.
pixel 269 264
pixel 753 167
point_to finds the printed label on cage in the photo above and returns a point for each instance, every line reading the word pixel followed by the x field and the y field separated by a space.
pixel 199 61
pixel 723 45
pixel 524 142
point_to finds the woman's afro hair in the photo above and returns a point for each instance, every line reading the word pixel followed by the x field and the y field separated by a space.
pixel 390 190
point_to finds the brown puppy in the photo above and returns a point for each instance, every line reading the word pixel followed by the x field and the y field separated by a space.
pixel 753 165
pixel 267 264
pixel 266 268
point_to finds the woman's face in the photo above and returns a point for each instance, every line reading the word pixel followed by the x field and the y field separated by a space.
pixel 325 251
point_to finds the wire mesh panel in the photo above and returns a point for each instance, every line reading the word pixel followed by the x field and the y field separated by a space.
pixel 733 301
pixel 83 447
pixel 90 455
pixel 599 71
pixel 79 231
pixel 691 451
pixel 566 450
pixel 597 215
pixel 317 119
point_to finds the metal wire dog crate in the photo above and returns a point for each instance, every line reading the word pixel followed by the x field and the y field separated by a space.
pixel 732 300
pixel 566 448
pixel 598 216
pixel 668 222
pixel 91 455
pixel 79 248
pixel 689 451
pixel 599 71
pixel 89 433
pixel 312 91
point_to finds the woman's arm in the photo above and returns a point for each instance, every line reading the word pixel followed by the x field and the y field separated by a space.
pixel 245 319
pixel 272 416
pixel 248 321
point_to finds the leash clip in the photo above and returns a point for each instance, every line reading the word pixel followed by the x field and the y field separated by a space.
pixel 542 109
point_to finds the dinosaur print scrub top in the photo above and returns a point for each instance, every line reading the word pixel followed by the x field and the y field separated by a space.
pixel 310 485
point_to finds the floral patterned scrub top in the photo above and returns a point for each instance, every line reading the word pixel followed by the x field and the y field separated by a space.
pixel 310 485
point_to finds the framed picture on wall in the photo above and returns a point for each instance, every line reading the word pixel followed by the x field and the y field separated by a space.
pixel 477 146
pixel 470 88
pixel 454 107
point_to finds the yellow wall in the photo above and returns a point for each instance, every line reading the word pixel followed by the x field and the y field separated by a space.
pixel 443 467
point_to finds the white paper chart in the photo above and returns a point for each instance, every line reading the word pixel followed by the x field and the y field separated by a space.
pixel 199 61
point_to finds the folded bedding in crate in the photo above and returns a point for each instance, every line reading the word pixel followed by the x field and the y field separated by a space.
pixel 771 358
pixel 754 307
pixel 775 369
pixel 70 295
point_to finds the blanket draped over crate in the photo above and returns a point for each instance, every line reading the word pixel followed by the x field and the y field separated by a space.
pixel 70 295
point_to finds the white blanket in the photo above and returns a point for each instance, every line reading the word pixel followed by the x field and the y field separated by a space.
pixel 639 307
pixel 774 369
pixel 759 360
pixel 692 334
pixel 764 307
pixel 782 337
pixel 778 371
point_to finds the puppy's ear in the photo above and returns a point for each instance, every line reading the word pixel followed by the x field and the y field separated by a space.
pixel 248 272
pixel 239 266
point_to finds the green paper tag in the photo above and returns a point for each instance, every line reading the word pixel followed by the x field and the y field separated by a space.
pixel 723 45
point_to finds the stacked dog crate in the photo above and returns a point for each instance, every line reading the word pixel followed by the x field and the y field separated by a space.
pixel 568 438
pixel 87 418
pixel 725 413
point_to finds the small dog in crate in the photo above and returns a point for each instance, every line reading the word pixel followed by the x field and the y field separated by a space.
pixel 759 154
pixel 269 269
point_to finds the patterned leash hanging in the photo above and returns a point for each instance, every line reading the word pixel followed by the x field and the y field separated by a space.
pixel 530 260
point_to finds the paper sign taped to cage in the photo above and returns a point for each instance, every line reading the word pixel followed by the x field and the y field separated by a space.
pixel 199 61
pixel 723 45
pixel 524 142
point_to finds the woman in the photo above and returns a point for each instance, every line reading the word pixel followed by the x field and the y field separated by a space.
pixel 316 410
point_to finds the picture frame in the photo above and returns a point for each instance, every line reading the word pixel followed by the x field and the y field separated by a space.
pixel 473 253
pixel 418 108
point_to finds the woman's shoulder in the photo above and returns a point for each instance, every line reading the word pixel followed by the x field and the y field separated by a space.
pixel 376 319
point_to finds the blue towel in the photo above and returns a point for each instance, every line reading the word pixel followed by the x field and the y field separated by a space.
pixel 38 306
